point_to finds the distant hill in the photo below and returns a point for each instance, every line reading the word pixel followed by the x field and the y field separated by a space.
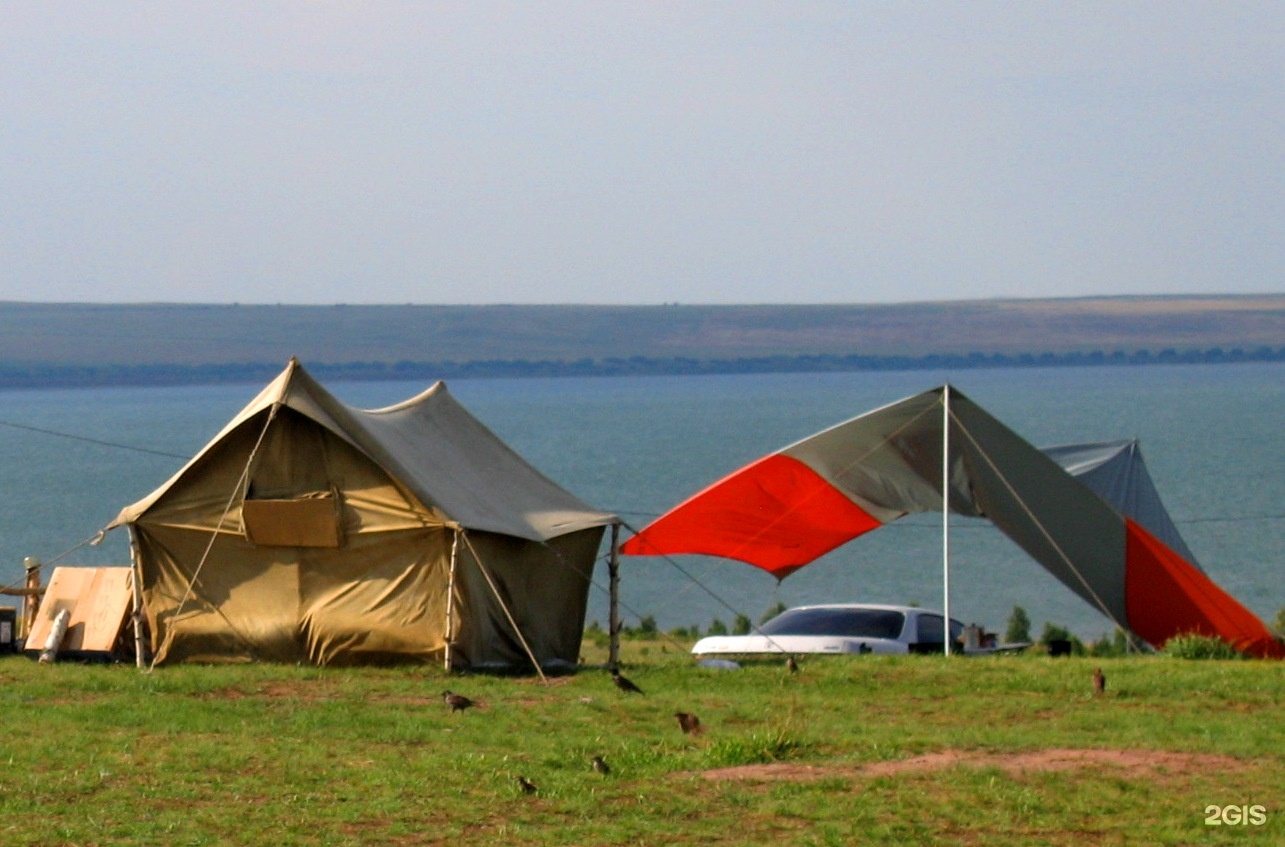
pixel 46 344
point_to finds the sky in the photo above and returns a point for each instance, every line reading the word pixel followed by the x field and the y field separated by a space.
pixel 639 153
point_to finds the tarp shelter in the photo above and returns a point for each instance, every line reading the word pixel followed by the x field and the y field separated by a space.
pixel 308 530
pixel 1088 513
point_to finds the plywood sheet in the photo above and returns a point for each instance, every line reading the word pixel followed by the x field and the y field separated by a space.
pixel 99 601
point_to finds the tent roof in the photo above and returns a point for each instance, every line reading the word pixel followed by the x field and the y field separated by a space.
pixel 435 448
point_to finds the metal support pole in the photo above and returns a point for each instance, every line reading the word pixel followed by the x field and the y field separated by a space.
pixel 945 515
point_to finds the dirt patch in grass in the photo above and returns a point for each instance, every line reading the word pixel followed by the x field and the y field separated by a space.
pixel 1130 762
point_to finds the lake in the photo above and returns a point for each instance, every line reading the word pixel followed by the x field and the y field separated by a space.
pixel 1211 436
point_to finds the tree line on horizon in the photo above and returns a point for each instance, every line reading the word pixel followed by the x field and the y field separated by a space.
pixel 106 375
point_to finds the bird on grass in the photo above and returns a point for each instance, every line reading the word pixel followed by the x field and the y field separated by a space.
pixel 689 723
pixel 600 765
pixel 791 664
pixel 527 786
pixel 1099 681
pixel 624 684
pixel 457 702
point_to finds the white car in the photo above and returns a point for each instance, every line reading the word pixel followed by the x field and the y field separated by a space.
pixel 840 628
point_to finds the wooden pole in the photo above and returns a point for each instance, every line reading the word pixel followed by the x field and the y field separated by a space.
pixel 31 601
pixel 136 584
pixel 613 614
pixel 450 598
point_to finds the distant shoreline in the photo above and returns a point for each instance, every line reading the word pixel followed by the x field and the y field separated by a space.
pixel 60 345
pixel 34 377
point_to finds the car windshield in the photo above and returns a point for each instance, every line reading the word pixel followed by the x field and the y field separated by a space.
pixel 863 623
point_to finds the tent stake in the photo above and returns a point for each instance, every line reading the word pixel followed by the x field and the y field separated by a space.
pixel 613 591
pixel 945 515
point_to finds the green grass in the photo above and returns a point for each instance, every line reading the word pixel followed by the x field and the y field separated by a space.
pixel 280 755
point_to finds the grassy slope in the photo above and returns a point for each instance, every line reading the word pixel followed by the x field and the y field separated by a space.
pixel 194 334
pixel 272 755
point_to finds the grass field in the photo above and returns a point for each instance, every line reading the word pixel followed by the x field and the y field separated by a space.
pixel 878 750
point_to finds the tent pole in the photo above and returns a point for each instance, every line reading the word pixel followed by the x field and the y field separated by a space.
pixel 136 578
pixel 450 599
pixel 613 614
pixel 945 515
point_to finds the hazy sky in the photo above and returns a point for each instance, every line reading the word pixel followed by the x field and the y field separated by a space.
pixel 639 152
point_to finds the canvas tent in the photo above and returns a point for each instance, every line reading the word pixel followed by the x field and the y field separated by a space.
pixel 308 530
pixel 1088 513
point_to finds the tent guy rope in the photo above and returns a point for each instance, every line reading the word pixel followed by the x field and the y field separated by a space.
pixel 238 491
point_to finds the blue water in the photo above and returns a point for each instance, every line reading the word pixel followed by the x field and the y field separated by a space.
pixel 1211 436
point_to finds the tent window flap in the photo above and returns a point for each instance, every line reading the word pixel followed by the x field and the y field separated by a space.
pixel 311 521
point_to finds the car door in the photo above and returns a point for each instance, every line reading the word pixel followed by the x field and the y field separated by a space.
pixel 928 632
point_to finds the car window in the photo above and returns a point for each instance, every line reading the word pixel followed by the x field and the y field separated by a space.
pixel 863 623
pixel 929 627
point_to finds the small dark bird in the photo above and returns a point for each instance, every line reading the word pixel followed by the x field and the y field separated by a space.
pixel 688 723
pixel 1099 681
pixel 527 786
pixel 624 684
pixel 791 665
pixel 600 765
pixel 457 702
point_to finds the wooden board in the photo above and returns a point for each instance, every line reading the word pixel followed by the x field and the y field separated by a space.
pixel 306 522
pixel 99 600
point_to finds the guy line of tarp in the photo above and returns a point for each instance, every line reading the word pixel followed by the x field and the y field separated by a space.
pixel 672 563
pixel 1102 606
